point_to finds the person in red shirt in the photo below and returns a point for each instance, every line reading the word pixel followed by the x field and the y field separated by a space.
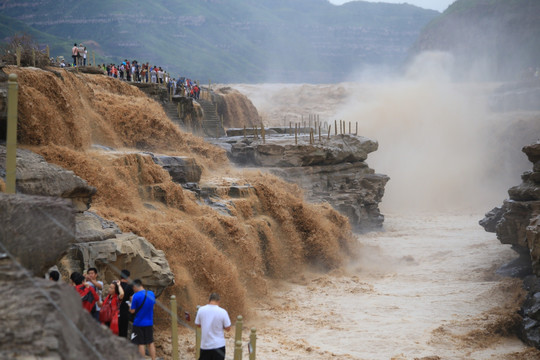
pixel 112 301
pixel 87 293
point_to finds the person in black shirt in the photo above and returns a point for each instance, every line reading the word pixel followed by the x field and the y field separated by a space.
pixel 123 320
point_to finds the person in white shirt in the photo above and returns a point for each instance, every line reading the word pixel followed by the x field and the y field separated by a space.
pixel 91 278
pixel 213 320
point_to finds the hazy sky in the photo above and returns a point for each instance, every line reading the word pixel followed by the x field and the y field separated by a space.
pixel 439 5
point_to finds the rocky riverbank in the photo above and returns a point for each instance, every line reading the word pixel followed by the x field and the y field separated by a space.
pixel 331 170
pixel 517 222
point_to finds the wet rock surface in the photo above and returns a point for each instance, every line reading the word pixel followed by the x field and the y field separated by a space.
pixel 92 227
pixel 37 177
pixel 42 319
pixel 124 251
pixel 181 168
pixel 517 223
pixel 331 170
pixel 30 224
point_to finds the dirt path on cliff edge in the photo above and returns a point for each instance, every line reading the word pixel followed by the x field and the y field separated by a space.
pixel 425 287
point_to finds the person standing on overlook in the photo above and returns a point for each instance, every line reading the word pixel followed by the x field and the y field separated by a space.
pixel 212 320
pixel 75 54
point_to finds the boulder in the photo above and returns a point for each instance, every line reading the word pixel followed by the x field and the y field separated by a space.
pixel 37 177
pixel 125 251
pixel 42 319
pixel 92 227
pixel 37 230
pixel 532 152
pixel 512 227
pixel 491 219
pixel 182 169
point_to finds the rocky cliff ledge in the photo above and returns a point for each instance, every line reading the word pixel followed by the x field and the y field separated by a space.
pixel 330 170
pixel 517 222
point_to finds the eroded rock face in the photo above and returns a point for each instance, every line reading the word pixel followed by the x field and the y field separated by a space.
pixel 37 177
pixel 517 223
pixel 92 227
pixel 124 251
pixel 37 230
pixel 337 150
pixel 332 170
pixel 182 169
pixel 33 328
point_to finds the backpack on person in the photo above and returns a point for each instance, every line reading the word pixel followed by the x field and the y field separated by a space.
pixel 88 297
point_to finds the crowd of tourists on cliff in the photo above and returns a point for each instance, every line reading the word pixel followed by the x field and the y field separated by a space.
pixel 133 71
pixel 146 73
pixel 126 307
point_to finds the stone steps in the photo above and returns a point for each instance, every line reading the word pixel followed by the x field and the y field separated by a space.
pixel 212 123
pixel 172 112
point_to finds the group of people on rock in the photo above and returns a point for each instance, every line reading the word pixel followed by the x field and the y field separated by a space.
pixel 124 301
pixel 118 305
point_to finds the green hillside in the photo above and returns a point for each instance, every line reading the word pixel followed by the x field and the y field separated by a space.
pixel 491 39
pixel 10 27
pixel 234 40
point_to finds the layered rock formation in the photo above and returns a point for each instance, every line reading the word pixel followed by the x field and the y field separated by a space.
pixel 36 177
pixel 517 223
pixel 124 251
pixel 79 239
pixel 333 170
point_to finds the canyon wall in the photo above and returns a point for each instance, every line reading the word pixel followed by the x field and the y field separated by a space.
pixel 517 222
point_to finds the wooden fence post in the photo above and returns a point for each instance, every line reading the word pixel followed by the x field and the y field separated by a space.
pixel 295 133
pixel 329 128
pixel 335 126
pixel 34 57
pixel 238 338
pixel 11 138
pixel 253 344
pixel 174 329
pixel 263 134
pixel 356 129
pixel 94 58
pixel 238 350
pixel 349 128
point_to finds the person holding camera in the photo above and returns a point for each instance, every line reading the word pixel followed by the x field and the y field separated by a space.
pixel 110 306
